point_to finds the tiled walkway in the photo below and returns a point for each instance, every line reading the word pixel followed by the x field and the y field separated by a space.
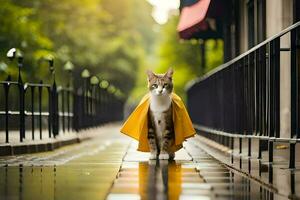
pixel 109 167
pixel 193 175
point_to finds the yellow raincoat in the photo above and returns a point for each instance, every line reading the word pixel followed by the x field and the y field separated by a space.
pixel 136 126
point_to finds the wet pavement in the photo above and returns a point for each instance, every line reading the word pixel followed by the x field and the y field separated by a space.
pixel 193 175
pixel 81 171
pixel 109 167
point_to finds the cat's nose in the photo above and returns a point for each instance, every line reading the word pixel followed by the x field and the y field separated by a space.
pixel 159 89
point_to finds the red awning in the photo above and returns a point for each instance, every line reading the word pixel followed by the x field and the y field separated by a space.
pixel 192 19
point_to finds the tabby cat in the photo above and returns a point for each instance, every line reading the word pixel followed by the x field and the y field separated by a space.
pixel 160 123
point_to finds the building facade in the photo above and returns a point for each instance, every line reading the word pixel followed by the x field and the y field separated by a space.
pixel 242 24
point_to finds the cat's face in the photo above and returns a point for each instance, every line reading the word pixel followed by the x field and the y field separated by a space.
pixel 160 84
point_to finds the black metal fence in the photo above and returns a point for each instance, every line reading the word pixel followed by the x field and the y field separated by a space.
pixel 39 107
pixel 241 99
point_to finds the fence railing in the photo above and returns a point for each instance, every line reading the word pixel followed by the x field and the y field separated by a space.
pixel 241 99
pixel 39 107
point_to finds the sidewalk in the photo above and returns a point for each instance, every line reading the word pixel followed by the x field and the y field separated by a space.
pixel 15 147
pixel 81 171
pixel 109 167
pixel 193 175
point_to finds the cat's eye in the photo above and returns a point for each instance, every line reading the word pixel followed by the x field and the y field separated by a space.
pixel 155 85
pixel 165 85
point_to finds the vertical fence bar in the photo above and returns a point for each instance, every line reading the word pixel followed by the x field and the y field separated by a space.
pixel 294 96
pixel 86 111
pixel 63 109
pixel 40 109
pixel 68 108
pixel 6 92
pixel 257 93
pixel 54 104
pixel 76 111
pixel 32 111
pixel 6 89
pixel 294 86
pixel 21 109
pixel 269 91
pixel 49 112
pixel 292 155
pixel 263 91
pixel 277 88
pixel 270 112
pixel 97 104
pixel 234 99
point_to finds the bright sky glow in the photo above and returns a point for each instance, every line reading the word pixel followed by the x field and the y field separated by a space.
pixel 162 8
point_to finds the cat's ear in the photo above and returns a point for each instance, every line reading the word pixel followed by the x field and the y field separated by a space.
pixel 150 74
pixel 169 73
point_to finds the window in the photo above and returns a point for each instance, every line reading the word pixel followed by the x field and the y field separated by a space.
pixel 296 11
pixel 261 20
pixel 256 10
pixel 251 20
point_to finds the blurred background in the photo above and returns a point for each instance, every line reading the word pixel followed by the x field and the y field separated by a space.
pixel 248 107
pixel 115 40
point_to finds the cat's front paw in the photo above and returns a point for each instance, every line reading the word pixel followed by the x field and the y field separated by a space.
pixel 171 155
pixel 164 156
pixel 153 156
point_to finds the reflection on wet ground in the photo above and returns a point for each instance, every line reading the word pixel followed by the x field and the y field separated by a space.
pixel 81 171
pixel 200 178
pixel 50 182
pixel 110 168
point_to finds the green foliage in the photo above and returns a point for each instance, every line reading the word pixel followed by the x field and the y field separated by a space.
pixel 114 40
pixel 17 30
pixel 110 38
pixel 183 56
pixel 214 54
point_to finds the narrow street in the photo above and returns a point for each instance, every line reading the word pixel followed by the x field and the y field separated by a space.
pixel 109 167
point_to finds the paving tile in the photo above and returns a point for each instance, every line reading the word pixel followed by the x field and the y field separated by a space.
pixel 109 167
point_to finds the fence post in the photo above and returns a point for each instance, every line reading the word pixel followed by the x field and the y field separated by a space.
pixel 94 102
pixel 11 54
pixel 32 112
pixel 40 90
pixel 6 91
pixel 55 117
pixel 54 102
pixel 76 112
pixel 69 68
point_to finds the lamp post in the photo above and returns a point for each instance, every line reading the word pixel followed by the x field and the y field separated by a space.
pixel 11 55
pixel 51 99
pixel 54 119
pixel 85 74
pixel 104 84
pixel 3 67
pixel 50 60
pixel 16 53
pixel 112 104
pixel 69 68
pixel 94 80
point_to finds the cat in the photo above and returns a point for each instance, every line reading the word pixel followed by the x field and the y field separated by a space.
pixel 160 122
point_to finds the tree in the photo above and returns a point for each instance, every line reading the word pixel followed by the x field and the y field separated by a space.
pixel 110 38
pixel 17 30
pixel 183 56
